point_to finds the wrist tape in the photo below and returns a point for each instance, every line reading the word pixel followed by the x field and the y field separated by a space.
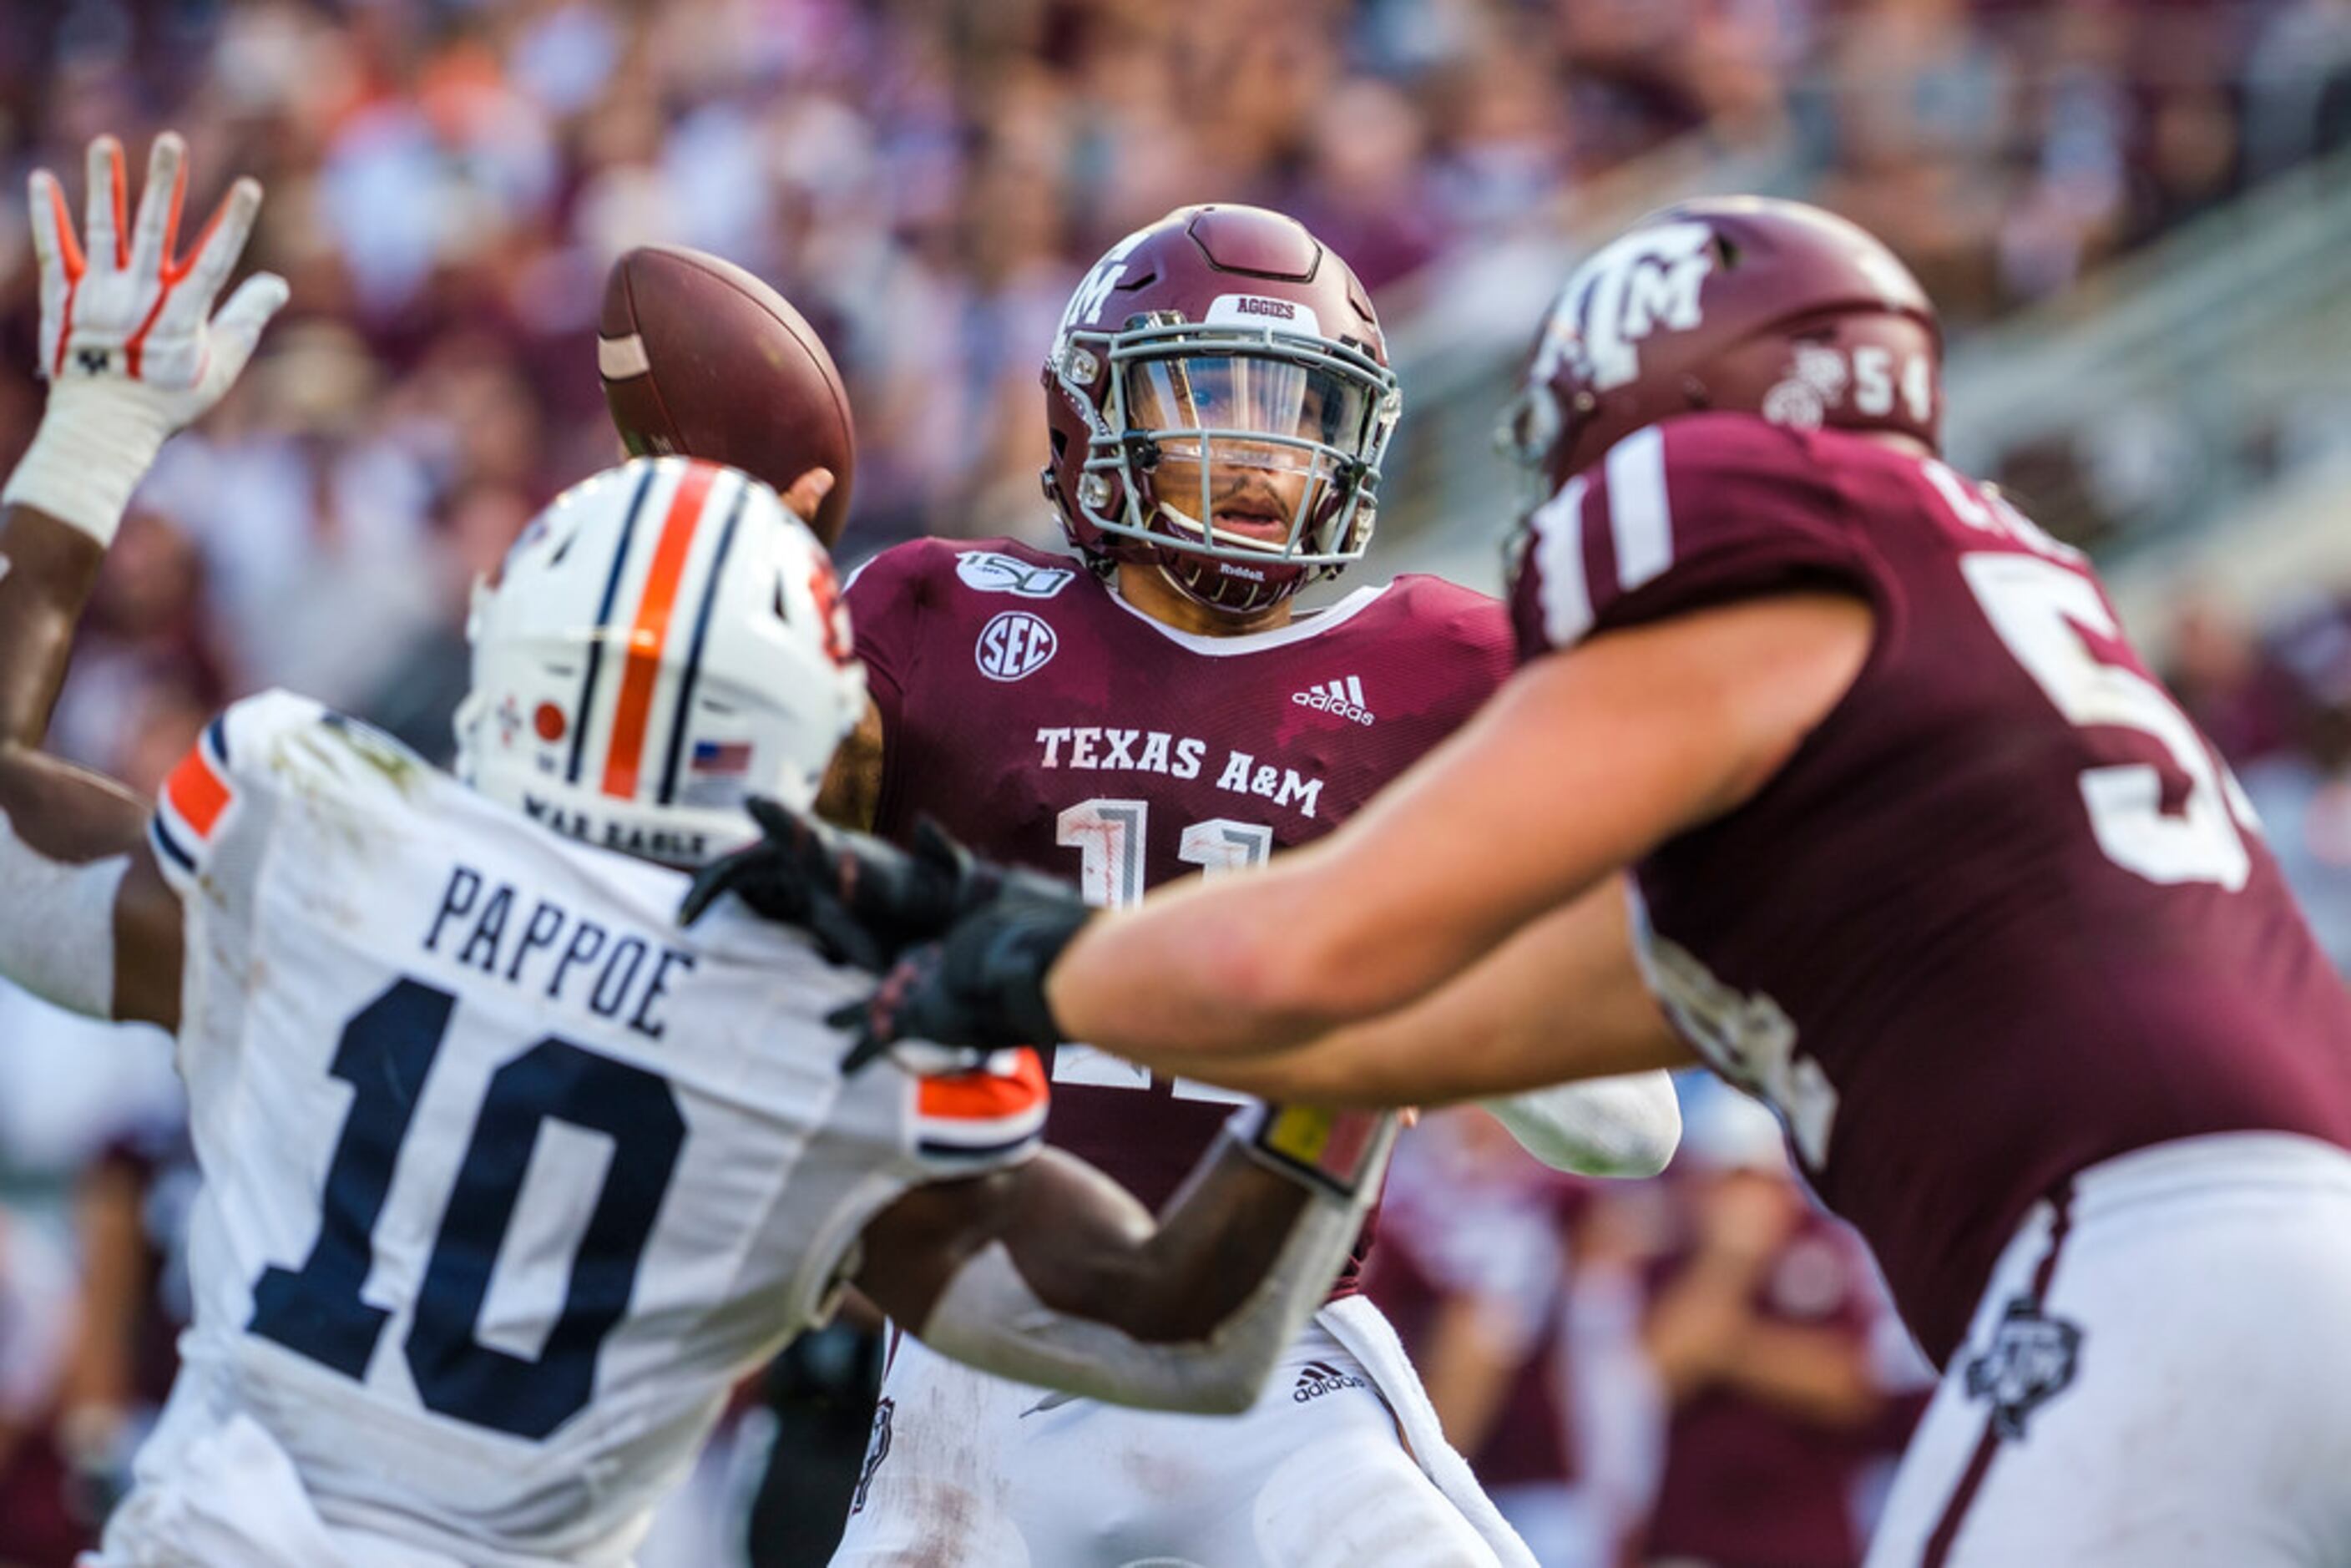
pixel 1339 1152
pixel 95 443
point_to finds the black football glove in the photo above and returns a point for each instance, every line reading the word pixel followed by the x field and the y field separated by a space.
pixel 983 986
pixel 865 901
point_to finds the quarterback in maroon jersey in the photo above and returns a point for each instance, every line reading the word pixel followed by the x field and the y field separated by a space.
pixel 1923 855
pixel 1143 705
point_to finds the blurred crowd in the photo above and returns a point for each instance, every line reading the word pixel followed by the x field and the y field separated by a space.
pixel 2274 694
pixel 1658 1368
pixel 1700 1371
pixel 450 179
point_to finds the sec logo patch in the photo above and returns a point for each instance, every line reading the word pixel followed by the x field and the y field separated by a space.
pixel 1014 645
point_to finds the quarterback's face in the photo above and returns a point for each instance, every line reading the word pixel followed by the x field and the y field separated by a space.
pixel 1251 489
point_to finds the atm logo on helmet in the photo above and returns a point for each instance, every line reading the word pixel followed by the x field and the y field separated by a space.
pixel 1623 292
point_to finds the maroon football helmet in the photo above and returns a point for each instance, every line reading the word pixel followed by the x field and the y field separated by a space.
pixel 1730 302
pixel 1218 402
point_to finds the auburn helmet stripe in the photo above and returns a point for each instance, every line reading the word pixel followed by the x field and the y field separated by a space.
pixel 685 685
pixel 605 618
pixel 651 631
pixel 728 686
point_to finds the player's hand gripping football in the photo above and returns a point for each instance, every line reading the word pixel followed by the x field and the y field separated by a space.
pixel 131 344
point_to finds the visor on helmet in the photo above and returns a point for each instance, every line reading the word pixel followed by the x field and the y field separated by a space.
pixel 1231 432
pixel 1210 429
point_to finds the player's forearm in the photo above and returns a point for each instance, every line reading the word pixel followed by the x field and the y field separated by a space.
pixel 49 571
pixel 1225 1230
pixel 58 812
pixel 1195 1316
pixel 66 835
pixel 1579 767
pixel 1561 1001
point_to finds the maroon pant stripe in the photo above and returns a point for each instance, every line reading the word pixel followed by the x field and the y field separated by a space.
pixel 1946 1530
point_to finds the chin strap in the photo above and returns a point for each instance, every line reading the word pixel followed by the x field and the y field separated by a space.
pixel 1274 593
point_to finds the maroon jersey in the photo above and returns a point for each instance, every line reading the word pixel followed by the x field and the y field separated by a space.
pixel 1745 1485
pixel 1475 1217
pixel 2004 914
pixel 1045 722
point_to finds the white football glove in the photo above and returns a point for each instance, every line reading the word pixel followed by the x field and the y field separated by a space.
pixel 129 342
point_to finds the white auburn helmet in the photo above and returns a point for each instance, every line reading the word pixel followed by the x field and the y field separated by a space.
pixel 665 640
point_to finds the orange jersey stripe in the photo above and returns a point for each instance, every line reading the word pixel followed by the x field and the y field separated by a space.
pixel 196 792
pixel 987 1095
pixel 626 753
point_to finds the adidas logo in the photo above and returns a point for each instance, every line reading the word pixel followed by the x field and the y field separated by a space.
pixel 1344 698
pixel 1319 1378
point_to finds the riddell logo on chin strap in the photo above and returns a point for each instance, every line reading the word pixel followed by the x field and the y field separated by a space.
pixel 1344 698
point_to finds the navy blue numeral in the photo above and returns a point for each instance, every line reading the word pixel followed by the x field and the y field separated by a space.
pixel 385 1052
pixel 456 1375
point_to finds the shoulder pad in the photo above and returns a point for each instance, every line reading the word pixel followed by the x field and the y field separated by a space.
pixel 264 746
pixel 1679 516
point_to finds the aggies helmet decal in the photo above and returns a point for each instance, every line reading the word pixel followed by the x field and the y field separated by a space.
pixel 1738 303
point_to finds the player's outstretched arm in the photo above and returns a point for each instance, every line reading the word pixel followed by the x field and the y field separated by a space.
pixel 1052 1274
pixel 1585 761
pixel 1562 999
pixel 132 353
pixel 1565 988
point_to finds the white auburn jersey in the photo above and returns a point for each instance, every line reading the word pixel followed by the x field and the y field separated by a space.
pixel 507 1178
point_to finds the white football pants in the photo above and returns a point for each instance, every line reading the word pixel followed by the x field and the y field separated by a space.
pixel 972 1470
pixel 2158 1377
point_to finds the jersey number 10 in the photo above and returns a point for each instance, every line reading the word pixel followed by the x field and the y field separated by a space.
pixel 385 1053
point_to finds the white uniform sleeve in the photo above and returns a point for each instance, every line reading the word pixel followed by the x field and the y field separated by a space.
pixel 977 1119
pixel 57 918
pixel 243 757
pixel 56 925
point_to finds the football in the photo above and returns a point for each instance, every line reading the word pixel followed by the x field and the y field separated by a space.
pixel 699 356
